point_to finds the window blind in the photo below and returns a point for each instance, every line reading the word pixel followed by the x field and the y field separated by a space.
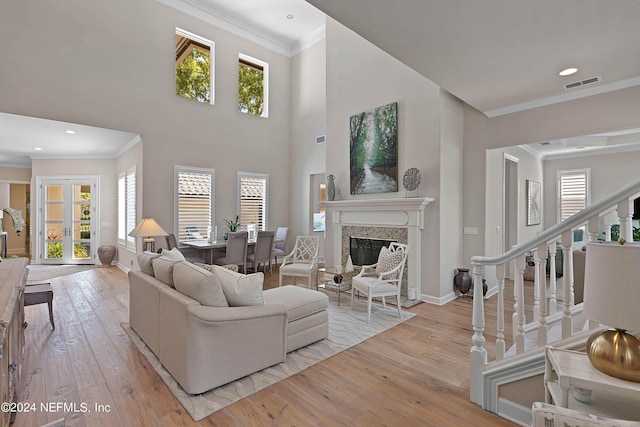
pixel 253 200
pixel 195 197
pixel 127 208
pixel 573 193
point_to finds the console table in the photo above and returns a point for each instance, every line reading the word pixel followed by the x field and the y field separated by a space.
pixel 13 277
pixel 611 397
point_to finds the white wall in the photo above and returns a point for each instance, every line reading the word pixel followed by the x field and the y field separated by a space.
pixel 361 77
pixel 529 168
pixel 596 114
pixel 112 65
pixel 308 120
pixel 608 173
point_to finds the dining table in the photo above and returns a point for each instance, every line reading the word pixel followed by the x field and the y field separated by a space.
pixel 210 246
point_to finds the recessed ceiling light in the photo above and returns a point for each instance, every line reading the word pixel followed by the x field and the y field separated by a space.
pixel 568 71
pixel 37 148
pixel 70 132
pixel 289 16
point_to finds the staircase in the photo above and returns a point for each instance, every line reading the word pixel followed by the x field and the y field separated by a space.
pixel 554 316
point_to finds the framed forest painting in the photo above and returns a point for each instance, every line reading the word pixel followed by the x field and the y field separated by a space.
pixel 374 150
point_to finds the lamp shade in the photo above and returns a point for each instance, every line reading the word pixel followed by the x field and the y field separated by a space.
pixel 612 285
pixel 148 227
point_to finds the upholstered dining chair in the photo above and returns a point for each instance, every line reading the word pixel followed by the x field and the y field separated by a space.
pixel 262 251
pixel 236 252
pixel 280 243
pixel 303 260
pixel 188 255
pixel 383 278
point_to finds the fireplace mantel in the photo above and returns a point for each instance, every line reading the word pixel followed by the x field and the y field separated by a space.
pixel 406 213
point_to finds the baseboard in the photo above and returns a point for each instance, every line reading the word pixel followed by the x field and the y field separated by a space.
pixel 514 412
pixel 438 301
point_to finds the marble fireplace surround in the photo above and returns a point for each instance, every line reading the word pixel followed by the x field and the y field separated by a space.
pixel 400 219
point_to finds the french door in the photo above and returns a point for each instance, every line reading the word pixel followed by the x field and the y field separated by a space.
pixel 68 218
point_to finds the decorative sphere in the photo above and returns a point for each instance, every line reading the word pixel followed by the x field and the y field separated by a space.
pixel 337 278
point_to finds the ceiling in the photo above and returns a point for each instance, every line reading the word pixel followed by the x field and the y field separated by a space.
pixel 21 137
pixel 499 56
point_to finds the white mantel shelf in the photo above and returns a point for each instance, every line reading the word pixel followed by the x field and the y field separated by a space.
pixel 407 203
pixel 407 213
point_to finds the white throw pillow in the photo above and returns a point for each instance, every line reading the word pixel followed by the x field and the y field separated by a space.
pixel 173 254
pixel 240 289
pixel 201 285
pixel 388 260
pixel 163 269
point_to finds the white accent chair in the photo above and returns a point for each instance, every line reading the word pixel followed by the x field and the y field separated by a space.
pixel 262 251
pixel 303 260
pixel 379 282
pixel 281 242
pixel 236 251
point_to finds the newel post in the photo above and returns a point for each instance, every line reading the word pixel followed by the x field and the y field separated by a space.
pixel 478 351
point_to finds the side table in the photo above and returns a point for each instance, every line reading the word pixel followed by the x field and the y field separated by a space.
pixel 565 369
pixel 331 285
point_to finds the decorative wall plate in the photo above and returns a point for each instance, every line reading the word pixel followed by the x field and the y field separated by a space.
pixel 411 179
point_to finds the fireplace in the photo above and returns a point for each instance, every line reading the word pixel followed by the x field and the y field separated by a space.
pixel 365 251
pixel 400 220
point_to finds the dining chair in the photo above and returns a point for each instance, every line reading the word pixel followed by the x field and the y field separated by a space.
pixel 236 251
pixel 303 260
pixel 383 278
pixel 279 247
pixel 262 251
pixel 189 255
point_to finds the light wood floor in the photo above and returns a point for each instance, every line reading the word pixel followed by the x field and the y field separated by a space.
pixel 414 374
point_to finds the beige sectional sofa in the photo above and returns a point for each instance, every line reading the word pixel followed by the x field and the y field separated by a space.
pixel 208 328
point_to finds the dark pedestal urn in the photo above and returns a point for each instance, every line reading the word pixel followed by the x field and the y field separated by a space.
pixel 462 281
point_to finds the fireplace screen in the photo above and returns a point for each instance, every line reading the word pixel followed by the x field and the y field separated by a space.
pixel 365 251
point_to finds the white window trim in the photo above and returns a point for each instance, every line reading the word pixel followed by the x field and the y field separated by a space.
pixel 176 174
pixel 265 219
pixel 559 174
pixel 265 79
pixel 212 59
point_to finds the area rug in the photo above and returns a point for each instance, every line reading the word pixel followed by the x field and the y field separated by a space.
pixel 346 329
pixel 39 272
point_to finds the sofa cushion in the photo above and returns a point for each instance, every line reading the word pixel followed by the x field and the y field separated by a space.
pixel 300 302
pixel 240 289
pixel 173 254
pixel 144 261
pixel 163 269
pixel 201 285
pixel 210 268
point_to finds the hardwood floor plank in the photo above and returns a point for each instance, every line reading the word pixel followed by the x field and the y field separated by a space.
pixel 413 374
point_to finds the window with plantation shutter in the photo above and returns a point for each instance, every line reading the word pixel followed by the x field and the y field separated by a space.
pixel 573 195
pixel 194 203
pixel 127 208
pixel 253 199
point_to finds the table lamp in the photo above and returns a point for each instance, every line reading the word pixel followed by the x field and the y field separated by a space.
pixel 612 297
pixel 147 228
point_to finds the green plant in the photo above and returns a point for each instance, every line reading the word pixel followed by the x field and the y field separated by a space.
pixel 232 224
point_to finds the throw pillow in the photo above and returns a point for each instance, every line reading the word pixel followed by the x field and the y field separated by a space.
pixel 173 254
pixel 210 268
pixel 144 261
pixel 388 260
pixel 201 285
pixel 240 289
pixel 163 269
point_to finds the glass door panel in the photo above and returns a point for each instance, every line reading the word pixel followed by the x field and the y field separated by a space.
pixel 54 222
pixel 69 222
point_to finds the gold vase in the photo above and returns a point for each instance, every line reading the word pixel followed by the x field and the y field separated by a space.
pixel 615 353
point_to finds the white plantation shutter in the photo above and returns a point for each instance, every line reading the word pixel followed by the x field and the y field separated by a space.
pixel 253 199
pixel 127 208
pixel 194 203
pixel 572 192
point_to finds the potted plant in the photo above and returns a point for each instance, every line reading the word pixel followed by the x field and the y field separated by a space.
pixel 232 225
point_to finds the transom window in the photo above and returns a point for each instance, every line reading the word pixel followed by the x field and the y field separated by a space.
pixel 253 87
pixel 252 199
pixel 194 189
pixel 194 67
